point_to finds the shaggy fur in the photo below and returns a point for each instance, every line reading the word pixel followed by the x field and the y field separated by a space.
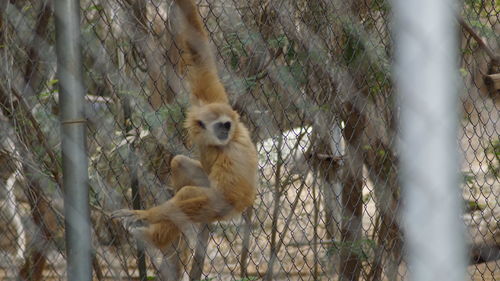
pixel 223 183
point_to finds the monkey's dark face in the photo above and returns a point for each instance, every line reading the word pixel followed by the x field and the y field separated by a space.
pixel 221 129
pixel 216 131
pixel 212 124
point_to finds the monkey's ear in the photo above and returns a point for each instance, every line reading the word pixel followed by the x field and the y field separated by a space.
pixel 201 124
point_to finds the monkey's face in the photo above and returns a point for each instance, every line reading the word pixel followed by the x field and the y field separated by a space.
pixel 213 124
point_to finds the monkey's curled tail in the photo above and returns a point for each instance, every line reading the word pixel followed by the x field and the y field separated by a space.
pixel 199 60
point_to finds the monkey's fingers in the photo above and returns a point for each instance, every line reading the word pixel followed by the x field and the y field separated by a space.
pixel 122 213
pixel 134 222
pixel 138 231
pixel 129 218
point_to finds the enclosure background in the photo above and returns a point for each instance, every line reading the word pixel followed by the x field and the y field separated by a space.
pixel 311 79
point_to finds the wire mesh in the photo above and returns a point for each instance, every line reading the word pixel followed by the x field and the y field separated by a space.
pixel 311 79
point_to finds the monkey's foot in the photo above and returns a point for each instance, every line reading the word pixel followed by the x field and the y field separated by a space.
pixel 130 219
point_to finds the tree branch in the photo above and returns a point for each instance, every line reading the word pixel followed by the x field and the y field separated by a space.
pixel 495 59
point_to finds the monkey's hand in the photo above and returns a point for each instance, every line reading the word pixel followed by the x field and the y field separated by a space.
pixel 131 218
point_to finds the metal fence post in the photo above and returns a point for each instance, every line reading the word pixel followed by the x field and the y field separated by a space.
pixel 426 72
pixel 74 157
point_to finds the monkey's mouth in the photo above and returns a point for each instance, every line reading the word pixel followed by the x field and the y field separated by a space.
pixel 222 134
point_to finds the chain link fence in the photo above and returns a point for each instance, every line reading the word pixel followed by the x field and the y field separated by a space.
pixel 311 79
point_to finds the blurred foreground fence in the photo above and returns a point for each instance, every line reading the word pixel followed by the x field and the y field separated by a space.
pixel 312 79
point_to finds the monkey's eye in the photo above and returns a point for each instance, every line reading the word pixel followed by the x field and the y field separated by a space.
pixel 227 125
pixel 201 124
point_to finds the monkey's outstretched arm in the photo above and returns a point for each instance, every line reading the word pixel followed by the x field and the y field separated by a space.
pixel 192 17
pixel 203 77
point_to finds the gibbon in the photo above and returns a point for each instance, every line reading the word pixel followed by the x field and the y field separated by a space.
pixel 223 182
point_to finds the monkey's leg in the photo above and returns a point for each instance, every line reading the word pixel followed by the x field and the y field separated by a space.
pixel 161 235
pixel 199 204
pixel 190 204
pixel 187 171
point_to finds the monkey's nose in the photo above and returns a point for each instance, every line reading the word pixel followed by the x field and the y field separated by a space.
pixel 222 130
pixel 222 134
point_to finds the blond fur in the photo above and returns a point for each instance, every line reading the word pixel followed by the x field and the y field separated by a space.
pixel 198 57
pixel 223 183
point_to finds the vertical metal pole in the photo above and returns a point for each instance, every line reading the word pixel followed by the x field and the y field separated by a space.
pixel 74 158
pixel 132 164
pixel 426 74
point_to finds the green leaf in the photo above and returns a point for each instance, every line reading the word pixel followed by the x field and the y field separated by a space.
pixel 463 72
pixel 251 278
pixel 278 42
pixel 94 8
pixel 468 178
